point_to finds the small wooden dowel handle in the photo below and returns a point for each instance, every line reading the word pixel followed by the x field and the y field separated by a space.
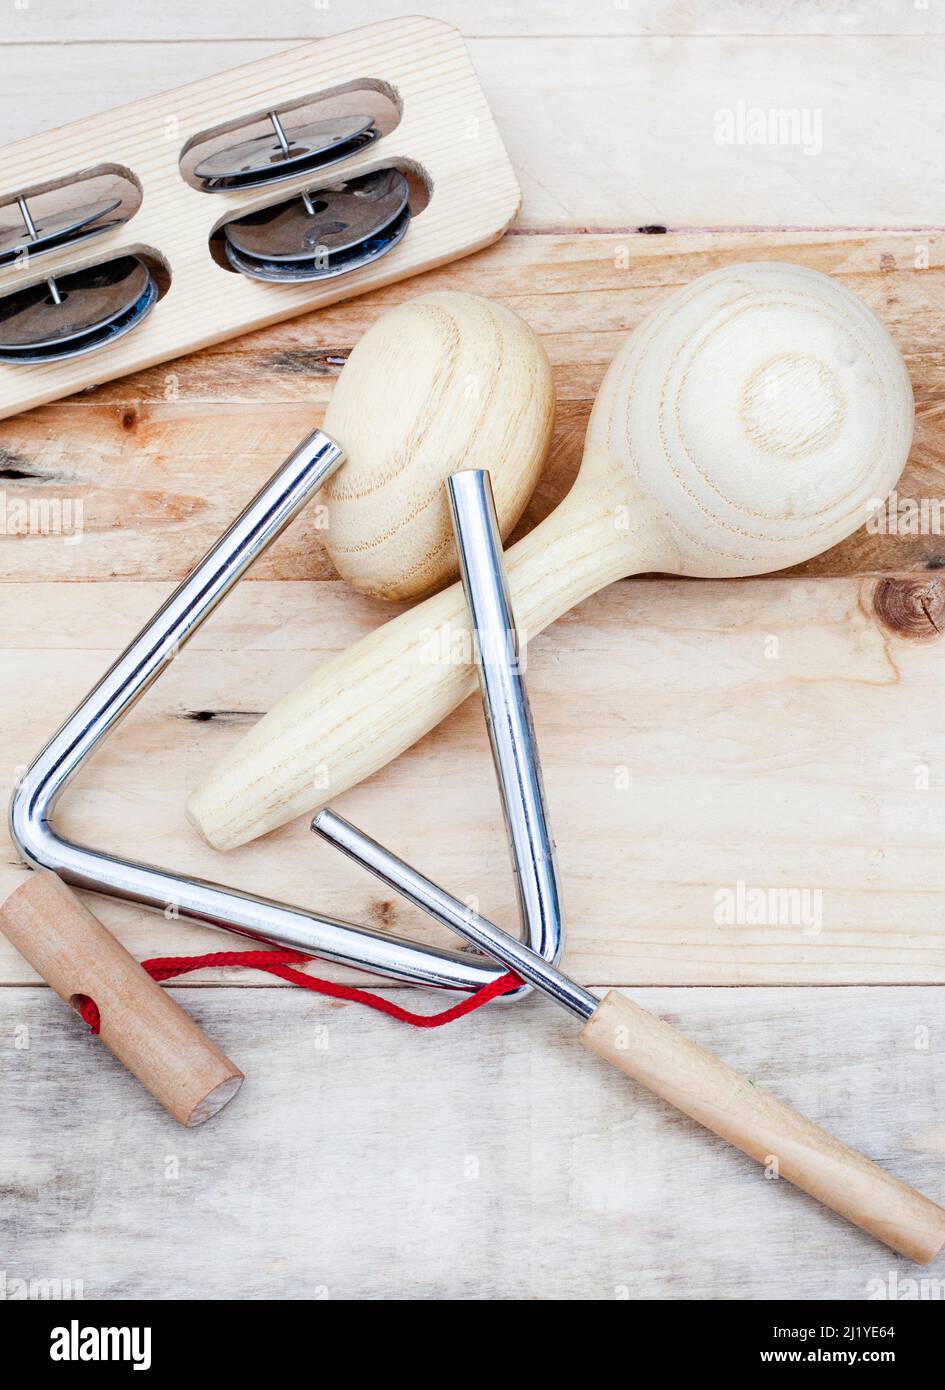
pixel 141 1024
pixel 766 1129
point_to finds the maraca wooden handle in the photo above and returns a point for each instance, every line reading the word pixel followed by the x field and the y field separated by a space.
pixel 742 427
pixel 360 710
pixel 140 1023
pixel 766 1129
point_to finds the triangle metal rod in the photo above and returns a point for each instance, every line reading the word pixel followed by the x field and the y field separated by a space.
pixel 500 663
pixel 196 900
pixel 514 749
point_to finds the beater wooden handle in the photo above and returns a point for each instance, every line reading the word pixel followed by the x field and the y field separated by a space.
pixel 766 1129
pixel 140 1023
pixel 360 710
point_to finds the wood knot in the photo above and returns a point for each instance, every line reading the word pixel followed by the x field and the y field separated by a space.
pixel 383 912
pixel 913 608
pixel 129 418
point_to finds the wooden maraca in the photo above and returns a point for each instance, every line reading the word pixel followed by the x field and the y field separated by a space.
pixel 430 386
pixel 746 425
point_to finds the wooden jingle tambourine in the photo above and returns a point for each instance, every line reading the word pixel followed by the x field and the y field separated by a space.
pixel 181 220
pixel 319 234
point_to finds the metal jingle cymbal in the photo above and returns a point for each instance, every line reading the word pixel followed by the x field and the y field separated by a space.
pixel 57 229
pixel 269 158
pixel 95 305
pixel 314 166
pixel 325 222
pixel 89 342
pixel 336 263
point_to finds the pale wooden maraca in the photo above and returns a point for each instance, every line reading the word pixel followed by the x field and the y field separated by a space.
pixel 746 425
pixel 430 388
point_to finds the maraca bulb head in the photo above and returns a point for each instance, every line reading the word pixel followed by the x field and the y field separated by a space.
pixel 763 408
pixel 443 382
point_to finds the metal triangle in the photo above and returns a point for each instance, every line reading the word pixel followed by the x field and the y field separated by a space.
pixel 212 904
pixel 514 752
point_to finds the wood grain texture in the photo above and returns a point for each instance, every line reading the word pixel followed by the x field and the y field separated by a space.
pixel 140 1024
pixel 445 134
pixel 775 733
pixel 441 383
pixel 757 416
pixel 803 769
pixel 610 116
pixel 358 1159
pixel 58 21
pixel 789 1145
pixel 162 461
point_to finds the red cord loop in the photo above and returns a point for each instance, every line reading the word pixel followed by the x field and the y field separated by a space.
pixel 281 962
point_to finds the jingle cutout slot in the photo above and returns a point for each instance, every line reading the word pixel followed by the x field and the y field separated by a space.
pixel 322 233
pixel 57 229
pixel 283 155
pixel 285 142
pixel 73 314
pixel 38 220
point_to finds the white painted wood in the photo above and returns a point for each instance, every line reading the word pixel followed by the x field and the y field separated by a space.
pixel 693 736
pixel 618 131
pixel 360 1158
pixel 59 21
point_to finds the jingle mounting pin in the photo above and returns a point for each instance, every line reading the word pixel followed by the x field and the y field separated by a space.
pixel 71 313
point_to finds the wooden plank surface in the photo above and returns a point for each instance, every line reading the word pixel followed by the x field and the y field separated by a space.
pixel 771 733
pixel 62 21
pixel 694 736
pixel 820 767
pixel 161 461
pixel 613 127
pixel 494 1160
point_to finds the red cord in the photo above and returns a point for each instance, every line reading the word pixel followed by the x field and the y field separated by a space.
pixel 280 963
